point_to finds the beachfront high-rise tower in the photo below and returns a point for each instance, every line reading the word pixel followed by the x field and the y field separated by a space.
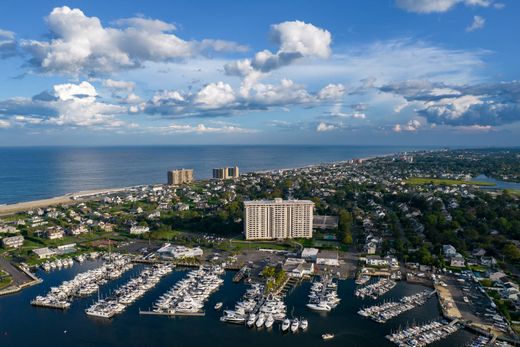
pixel 176 177
pixel 226 172
pixel 278 219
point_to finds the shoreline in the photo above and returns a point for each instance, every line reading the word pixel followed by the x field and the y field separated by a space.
pixel 85 195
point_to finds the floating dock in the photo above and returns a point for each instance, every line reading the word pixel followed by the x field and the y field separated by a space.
pixel 192 314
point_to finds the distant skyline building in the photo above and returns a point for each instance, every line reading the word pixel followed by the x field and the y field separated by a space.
pixel 278 219
pixel 226 172
pixel 180 176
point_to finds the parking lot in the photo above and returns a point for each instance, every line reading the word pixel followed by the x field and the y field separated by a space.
pixel 473 303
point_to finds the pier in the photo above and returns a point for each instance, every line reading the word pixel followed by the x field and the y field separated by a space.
pixel 241 274
pixel 423 335
pixel 381 313
pixel 173 313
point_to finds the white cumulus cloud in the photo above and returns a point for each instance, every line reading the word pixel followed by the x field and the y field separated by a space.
pixel 432 6
pixel 82 45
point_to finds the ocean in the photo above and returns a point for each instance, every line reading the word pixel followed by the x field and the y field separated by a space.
pixel 24 325
pixel 31 173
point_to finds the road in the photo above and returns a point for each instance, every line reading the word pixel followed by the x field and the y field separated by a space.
pixel 19 277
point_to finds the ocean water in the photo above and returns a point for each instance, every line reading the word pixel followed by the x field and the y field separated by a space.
pixel 24 325
pixel 31 173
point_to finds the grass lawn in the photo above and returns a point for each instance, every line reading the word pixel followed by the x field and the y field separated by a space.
pixel 444 182
pixel 5 279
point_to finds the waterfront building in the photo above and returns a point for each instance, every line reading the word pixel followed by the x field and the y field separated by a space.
pixel 298 268
pixel 328 258
pixel 44 253
pixel 226 172
pixel 169 251
pixel 13 241
pixel 181 176
pixel 278 219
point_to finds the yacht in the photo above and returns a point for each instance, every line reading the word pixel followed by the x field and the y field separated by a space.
pixel 304 324
pixel 232 318
pixel 251 320
pixel 321 306
pixel 295 324
pixel 269 321
pixel 286 324
pixel 260 320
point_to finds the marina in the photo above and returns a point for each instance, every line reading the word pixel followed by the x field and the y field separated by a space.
pixel 323 295
pixel 188 296
pixel 342 322
pixel 129 292
pixel 84 284
pixel 423 335
pixel 376 289
pixel 260 310
pixel 381 313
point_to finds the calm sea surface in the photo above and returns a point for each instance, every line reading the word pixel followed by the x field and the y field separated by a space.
pixel 24 325
pixel 42 172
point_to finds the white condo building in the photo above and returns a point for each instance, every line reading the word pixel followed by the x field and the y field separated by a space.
pixel 278 219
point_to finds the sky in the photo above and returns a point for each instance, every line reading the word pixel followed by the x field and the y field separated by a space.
pixel 382 72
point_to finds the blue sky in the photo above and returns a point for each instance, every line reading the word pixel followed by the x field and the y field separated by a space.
pixel 396 72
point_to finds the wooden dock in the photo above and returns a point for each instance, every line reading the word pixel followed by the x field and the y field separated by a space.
pixel 187 314
pixel 56 306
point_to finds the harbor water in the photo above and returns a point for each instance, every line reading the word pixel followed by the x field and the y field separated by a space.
pixel 23 325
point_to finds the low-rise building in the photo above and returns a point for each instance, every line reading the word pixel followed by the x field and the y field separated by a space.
pixel 78 230
pixel 13 241
pixel 310 254
pixel 138 230
pixel 54 233
pixel 7 229
pixel 370 248
pixel 298 268
pixel 449 251
pixel 329 258
pixel 375 260
pixel 457 261
pixel 169 251
pixel 44 253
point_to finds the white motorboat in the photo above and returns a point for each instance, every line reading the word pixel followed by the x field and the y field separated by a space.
pixel 286 324
pixel 327 336
pixel 260 320
pixel 269 322
pixel 251 320
pixel 304 324
pixel 321 306
pixel 295 324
